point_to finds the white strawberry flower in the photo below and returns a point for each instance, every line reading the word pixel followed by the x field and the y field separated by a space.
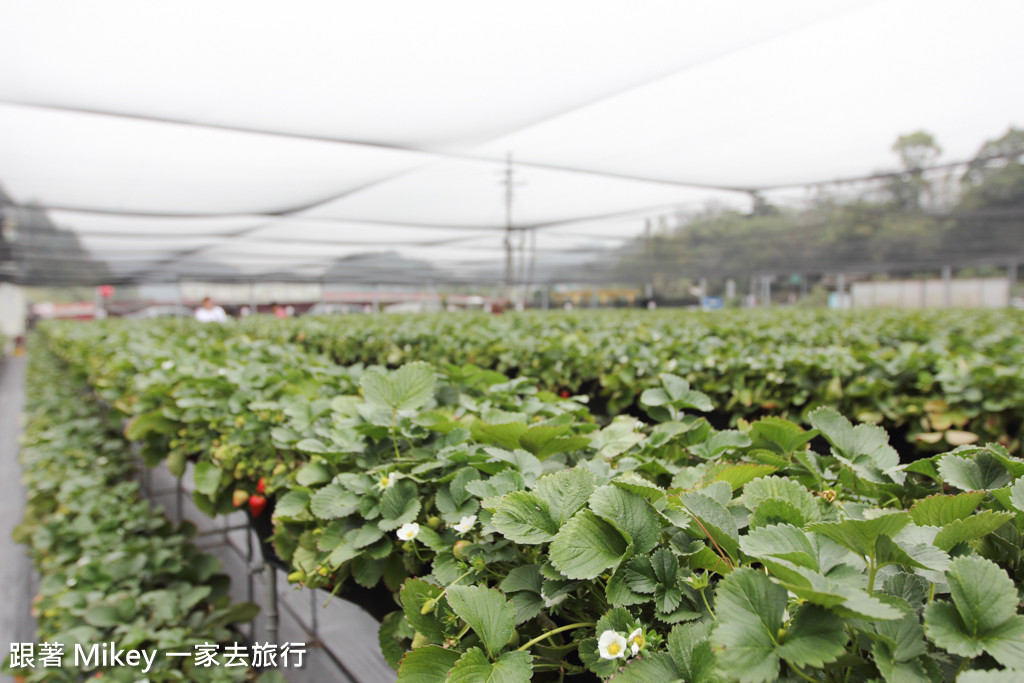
pixel 465 524
pixel 611 645
pixel 409 531
pixel 386 481
pixel 636 641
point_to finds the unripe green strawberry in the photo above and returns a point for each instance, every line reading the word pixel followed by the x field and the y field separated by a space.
pixel 459 549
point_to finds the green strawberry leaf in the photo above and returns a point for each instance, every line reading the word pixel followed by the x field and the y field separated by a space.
pixel 586 546
pixel 971 528
pixel 861 535
pixel 983 615
pixel 407 388
pixel 690 648
pixel 487 612
pixel 474 667
pixel 628 512
pixel 940 510
pixel 334 502
pixel 982 472
pixel 399 505
pixel 747 633
pixel 523 517
pixel 429 664
pixel 714 520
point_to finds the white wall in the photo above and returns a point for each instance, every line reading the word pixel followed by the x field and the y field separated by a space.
pixel 13 309
pixel 963 293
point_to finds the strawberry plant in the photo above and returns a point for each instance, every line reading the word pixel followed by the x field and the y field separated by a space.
pixel 111 568
pixel 524 539
pixel 939 380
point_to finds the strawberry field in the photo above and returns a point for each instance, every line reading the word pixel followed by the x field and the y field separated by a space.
pixel 608 496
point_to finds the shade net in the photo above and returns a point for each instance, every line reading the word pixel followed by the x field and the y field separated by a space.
pixel 422 143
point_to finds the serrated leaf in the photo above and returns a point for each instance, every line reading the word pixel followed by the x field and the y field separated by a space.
pixel 714 520
pixel 525 577
pixel 979 473
pixel 311 445
pixel 523 517
pixel 562 444
pixel 365 535
pixel 653 667
pixel 407 388
pixel 690 648
pixel 739 475
pixel 782 541
pixel 207 478
pixel 565 492
pixel 618 591
pixel 940 510
pixel 291 504
pixel 505 435
pixel 616 438
pixel 451 511
pixel 501 483
pixel 909 587
pixel 865 448
pixel 780 488
pixel 414 595
pixel 779 435
pixel 904 637
pixel 898 671
pixel 841 598
pixel 815 638
pixel 681 395
pixel 630 513
pixel 312 474
pixel 983 615
pixel 861 535
pixel 971 528
pixel 474 667
pixel 638 573
pixel 535 438
pixel 750 610
pixel 1017 495
pixel 775 511
pixel 333 502
pixel 429 664
pixel 586 546
pixel 393 631
pixel 487 612
pixel 719 442
pixel 399 505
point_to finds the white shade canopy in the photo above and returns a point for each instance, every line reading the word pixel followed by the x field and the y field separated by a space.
pixel 264 137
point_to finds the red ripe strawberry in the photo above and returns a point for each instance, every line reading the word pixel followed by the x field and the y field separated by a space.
pixel 261 486
pixel 564 393
pixel 256 504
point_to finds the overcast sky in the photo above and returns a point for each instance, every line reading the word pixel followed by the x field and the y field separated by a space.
pixel 607 108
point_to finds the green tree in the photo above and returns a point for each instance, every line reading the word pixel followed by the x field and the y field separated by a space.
pixel 917 151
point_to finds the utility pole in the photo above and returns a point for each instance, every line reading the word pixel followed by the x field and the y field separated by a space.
pixel 649 286
pixel 508 180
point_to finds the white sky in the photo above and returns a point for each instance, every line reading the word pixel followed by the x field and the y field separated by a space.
pixel 592 98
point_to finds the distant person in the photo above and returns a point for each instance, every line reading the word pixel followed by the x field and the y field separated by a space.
pixel 279 311
pixel 208 313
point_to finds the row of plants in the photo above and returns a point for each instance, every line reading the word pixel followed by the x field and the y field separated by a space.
pixel 112 569
pixel 936 380
pixel 524 541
